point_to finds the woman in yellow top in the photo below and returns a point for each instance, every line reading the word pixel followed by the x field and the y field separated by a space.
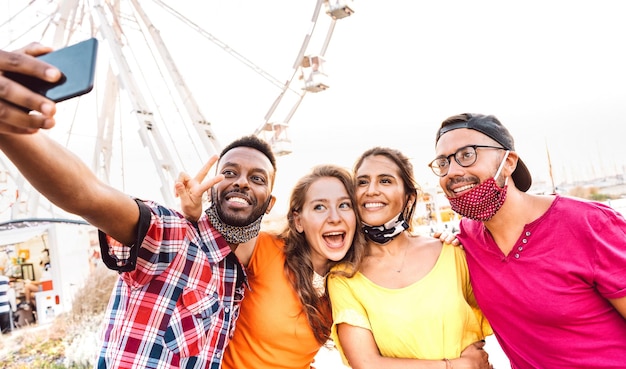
pixel 285 315
pixel 411 298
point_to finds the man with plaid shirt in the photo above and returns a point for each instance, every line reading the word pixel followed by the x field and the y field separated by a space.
pixel 180 285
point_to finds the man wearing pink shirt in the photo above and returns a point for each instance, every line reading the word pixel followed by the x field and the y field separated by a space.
pixel 549 272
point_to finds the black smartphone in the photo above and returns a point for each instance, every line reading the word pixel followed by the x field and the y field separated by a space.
pixel 77 63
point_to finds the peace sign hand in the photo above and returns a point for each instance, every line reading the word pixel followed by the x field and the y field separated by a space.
pixel 191 190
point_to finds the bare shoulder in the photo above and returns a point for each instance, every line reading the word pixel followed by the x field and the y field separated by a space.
pixel 426 243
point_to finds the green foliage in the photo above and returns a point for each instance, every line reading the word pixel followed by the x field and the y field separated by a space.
pixel 600 197
pixel 590 193
pixel 39 353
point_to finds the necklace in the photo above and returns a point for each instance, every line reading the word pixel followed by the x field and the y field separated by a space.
pixel 403 258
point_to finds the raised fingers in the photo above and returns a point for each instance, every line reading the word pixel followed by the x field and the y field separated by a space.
pixel 205 168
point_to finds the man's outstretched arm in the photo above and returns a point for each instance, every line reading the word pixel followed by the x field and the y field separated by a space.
pixel 66 181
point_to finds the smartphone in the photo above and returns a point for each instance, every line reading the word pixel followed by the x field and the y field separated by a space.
pixel 77 63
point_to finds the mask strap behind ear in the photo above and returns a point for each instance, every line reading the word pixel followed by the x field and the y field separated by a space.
pixel 506 155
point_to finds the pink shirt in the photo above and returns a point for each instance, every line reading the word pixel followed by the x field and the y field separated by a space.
pixel 547 299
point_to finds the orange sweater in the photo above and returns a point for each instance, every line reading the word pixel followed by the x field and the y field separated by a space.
pixel 272 330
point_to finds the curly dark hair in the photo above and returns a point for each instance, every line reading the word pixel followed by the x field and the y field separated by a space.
pixel 252 142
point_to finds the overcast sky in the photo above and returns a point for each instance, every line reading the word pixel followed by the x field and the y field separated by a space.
pixel 552 71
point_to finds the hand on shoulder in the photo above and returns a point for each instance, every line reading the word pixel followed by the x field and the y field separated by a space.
pixel 448 237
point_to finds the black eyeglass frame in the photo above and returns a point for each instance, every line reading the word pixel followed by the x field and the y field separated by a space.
pixel 437 169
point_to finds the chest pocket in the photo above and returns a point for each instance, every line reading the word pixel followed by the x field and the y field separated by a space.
pixel 191 322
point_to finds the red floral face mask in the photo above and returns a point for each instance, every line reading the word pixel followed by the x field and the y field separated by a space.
pixel 483 201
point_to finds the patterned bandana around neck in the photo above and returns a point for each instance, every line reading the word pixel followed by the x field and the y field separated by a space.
pixel 233 234
pixel 483 201
pixel 386 232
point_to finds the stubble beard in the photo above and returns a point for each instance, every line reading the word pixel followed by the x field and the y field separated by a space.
pixel 235 219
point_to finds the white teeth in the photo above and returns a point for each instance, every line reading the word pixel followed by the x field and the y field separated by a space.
pixel 374 205
pixel 239 200
pixel 334 239
pixel 333 234
pixel 460 189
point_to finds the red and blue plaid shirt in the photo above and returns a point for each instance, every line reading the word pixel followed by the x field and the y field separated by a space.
pixel 177 298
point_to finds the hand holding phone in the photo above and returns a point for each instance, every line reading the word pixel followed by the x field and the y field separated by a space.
pixel 15 97
pixel 77 63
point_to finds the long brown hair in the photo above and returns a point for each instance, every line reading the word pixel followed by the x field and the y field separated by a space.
pixel 298 264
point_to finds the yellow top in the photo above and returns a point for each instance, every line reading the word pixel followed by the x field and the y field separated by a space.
pixel 434 318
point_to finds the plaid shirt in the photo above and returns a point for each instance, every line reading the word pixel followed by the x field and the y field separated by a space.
pixel 177 298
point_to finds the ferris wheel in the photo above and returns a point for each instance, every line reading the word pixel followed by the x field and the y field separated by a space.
pixel 139 84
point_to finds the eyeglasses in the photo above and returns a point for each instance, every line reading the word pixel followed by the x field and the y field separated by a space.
pixel 465 156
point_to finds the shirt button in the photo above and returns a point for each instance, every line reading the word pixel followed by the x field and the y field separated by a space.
pixel 527 233
pixel 517 256
pixel 524 241
pixel 226 310
pixel 520 248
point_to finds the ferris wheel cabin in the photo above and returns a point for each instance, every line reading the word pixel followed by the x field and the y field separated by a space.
pixel 338 9
pixel 312 73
